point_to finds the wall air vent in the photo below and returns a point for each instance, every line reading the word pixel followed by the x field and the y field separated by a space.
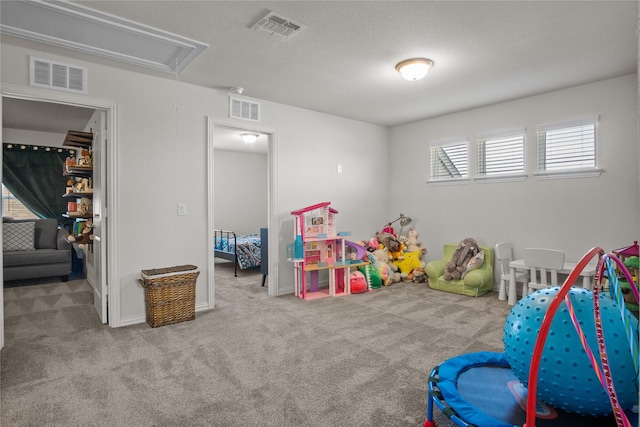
pixel 56 75
pixel 244 110
pixel 278 26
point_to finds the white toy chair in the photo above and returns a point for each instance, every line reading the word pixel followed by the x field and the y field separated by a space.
pixel 504 255
pixel 543 263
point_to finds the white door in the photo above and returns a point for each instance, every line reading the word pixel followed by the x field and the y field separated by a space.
pixel 96 261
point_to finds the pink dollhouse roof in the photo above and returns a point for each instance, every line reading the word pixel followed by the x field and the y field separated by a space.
pixel 628 250
pixel 310 208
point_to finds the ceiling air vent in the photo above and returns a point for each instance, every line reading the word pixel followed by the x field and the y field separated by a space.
pixel 245 110
pixel 278 26
pixel 56 75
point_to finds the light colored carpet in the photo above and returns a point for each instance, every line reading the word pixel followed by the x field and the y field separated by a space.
pixel 358 360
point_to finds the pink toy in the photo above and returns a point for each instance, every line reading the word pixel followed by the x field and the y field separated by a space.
pixel 358 283
pixel 373 244
pixel 317 247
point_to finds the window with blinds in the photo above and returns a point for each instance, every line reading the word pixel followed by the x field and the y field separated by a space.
pixel 449 160
pixel 501 154
pixel 567 146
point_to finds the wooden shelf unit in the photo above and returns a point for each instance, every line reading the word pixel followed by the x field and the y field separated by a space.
pixel 83 141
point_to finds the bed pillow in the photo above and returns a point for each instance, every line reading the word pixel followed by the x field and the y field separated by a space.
pixel 475 262
pixel 18 236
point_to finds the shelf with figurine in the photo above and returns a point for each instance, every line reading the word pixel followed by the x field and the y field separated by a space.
pixel 79 187
pixel 78 194
pixel 81 163
pixel 85 171
pixel 78 168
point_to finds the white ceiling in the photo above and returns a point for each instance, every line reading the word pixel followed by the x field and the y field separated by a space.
pixel 343 61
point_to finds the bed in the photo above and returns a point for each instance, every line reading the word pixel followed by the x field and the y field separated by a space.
pixel 243 250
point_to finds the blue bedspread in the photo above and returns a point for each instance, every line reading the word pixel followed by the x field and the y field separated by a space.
pixel 248 249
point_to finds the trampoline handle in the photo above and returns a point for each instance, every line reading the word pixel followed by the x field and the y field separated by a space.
pixel 544 331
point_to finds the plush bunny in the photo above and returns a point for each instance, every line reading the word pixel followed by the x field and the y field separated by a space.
pixel 458 264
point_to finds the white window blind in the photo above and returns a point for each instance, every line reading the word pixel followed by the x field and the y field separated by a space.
pixel 567 146
pixel 501 154
pixel 449 160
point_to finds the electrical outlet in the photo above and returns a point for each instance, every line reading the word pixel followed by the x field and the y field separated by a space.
pixel 182 209
pixel 339 168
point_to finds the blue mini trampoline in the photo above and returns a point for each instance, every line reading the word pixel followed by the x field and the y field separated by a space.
pixel 479 389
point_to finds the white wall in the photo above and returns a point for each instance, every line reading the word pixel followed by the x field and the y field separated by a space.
pixel 240 191
pixel 29 137
pixel 162 160
pixel 310 145
pixel 573 215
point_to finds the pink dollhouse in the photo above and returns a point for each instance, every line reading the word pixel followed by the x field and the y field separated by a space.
pixel 318 247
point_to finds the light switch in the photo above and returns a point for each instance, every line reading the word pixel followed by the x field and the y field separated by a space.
pixel 339 168
pixel 182 209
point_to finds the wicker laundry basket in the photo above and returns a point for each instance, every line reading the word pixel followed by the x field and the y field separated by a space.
pixel 170 294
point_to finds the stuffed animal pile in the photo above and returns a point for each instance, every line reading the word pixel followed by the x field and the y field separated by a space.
pixel 397 258
pixel 466 250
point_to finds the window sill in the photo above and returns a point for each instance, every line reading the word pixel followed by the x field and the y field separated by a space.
pixel 451 181
pixel 500 178
pixel 567 174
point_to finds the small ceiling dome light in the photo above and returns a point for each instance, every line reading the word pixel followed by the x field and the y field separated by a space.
pixel 249 137
pixel 414 68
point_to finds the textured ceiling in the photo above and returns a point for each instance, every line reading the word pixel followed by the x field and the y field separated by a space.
pixel 343 62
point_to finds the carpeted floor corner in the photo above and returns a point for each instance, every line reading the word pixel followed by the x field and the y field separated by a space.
pixel 357 360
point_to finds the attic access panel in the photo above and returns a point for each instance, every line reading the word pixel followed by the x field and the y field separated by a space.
pixel 87 30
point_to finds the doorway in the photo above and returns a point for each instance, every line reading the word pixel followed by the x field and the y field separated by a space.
pixel 106 262
pixel 226 137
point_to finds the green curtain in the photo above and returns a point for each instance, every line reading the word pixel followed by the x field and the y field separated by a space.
pixel 34 175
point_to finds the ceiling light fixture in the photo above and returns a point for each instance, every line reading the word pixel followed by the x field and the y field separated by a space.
pixel 249 138
pixel 414 68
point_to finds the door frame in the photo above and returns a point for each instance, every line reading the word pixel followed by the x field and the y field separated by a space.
pixel 111 109
pixel 272 200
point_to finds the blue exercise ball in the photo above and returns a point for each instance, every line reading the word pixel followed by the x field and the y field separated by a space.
pixel 566 378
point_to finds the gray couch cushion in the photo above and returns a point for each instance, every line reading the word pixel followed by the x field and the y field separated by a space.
pixel 18 236
pixel 40 256
pixel 46 233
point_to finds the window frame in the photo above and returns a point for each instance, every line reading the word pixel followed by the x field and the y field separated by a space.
pixel 481 141
pixel 462 179
pixel 567 172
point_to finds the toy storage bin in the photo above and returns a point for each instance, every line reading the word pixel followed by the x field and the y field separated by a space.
pixel 170 294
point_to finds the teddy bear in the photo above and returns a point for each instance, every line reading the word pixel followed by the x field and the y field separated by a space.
pixel 388 272
pixel 417 275
pixel 86 236
pixel 466 250
pixel 399 254
pixel 412 243
pixel 388 241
